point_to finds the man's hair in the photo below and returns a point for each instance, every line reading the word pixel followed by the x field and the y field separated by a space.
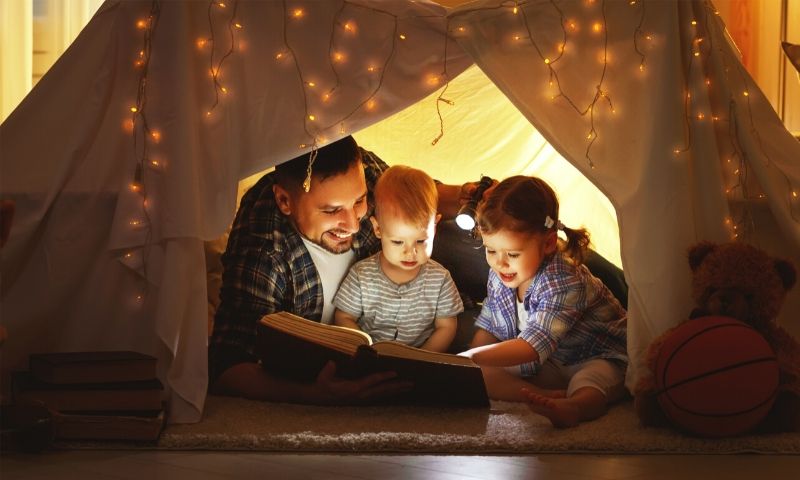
pixel 410 192
pixel 331 160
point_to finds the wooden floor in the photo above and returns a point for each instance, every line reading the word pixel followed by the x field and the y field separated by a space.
pixel 153 465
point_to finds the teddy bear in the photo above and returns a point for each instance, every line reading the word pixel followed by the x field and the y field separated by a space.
pixel 743 282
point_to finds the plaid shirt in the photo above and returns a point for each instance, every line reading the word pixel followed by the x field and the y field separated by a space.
pixel 572 315
pixel 267 268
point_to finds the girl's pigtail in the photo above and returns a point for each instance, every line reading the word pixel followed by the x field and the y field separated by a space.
pixel 577 243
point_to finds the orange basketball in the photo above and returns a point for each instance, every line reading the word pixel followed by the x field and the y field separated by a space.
pixel 716 377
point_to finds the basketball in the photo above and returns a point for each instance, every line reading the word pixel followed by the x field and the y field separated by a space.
pixel 716 377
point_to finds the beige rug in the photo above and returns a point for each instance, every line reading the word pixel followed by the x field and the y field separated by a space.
pixel 508 428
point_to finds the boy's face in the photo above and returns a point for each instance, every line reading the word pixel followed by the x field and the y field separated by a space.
pixel 404 245
pixel 329 213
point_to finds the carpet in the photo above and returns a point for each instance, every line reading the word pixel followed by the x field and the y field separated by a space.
pixel 505 428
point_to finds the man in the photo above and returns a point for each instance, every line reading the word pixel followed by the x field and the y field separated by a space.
pixel 289 249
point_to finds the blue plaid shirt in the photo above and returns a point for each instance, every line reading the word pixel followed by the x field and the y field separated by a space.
pixel 572 315
pixel 267 268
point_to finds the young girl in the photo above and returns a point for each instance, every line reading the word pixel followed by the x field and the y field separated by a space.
pixel 547 324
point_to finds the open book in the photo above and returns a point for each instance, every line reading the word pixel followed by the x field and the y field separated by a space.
pixel 293 347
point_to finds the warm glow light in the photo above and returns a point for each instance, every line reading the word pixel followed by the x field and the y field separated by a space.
pixel 794 194
pixel 597 27
pixel 237 25
pixel 573 25
pixel 298 13
pixel 547 61
pixel 641 67
pixel 694 22
pixel 221 4
pixel 746 93
pixel 156 135
pixel 700 116
pixel 278 55
pixel 127 125
pixel 312 117
pixel 135 187
pixel 338 57
pixel 515 10
pixel 371 68
pixel 134 109
pixel 371 105
pixel 311 84
pixel 135 223
pixel 402 37
pixel 201 42
pixel 223 89
pixel 141 24
pixel 326 97
pixel 350 27
pixel 433 80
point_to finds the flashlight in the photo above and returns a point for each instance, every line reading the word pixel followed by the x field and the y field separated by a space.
pixel 466 214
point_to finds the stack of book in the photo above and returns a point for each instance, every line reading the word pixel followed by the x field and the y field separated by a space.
pixel 110 395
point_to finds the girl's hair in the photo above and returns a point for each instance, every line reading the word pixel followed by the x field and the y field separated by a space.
pixel 523 204
pixel 410 192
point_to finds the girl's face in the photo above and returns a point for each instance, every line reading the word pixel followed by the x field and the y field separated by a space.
pixel 516 256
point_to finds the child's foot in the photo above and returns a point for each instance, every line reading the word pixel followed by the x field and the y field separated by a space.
pixel 544 392
pixel 561 412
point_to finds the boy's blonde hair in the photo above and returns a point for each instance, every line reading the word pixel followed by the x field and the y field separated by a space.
pixel 409 191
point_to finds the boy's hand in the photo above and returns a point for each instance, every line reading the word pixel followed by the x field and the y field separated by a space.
pixel 332 390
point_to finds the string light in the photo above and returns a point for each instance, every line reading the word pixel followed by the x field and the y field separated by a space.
pixel 215 68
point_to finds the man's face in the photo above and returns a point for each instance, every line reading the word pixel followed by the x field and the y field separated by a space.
pixel 329 213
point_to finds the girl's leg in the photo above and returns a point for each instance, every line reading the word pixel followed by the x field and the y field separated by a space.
pixel 594 384
pixel 584 404
pixel 504 385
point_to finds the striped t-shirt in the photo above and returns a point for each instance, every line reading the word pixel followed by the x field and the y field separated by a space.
pixel 405 313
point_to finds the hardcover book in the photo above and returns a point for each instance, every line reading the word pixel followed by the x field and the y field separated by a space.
pixel 92 367
pixel 125 425
pixel 137 395
pixel 296 348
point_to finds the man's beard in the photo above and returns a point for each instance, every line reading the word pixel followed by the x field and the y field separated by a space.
pixel 333 246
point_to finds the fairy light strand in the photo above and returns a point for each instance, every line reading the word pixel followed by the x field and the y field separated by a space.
pixel 639 33
pixel 139 124
pixel 440 98
pixel 215 69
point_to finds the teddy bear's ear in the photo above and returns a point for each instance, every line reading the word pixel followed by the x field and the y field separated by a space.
pixel 787 273
pixel 698 252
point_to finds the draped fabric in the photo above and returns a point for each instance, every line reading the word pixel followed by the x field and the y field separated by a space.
pixel 113 206
pixel 106 249
pixel 664 142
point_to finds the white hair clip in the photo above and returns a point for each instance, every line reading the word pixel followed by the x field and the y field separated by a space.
pixel 548 222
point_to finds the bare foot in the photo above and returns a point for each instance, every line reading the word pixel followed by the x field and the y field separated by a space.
pixel 544 392
pixel 560 411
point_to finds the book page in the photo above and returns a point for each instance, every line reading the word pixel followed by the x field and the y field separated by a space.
pixel 339 338
pixel 396 349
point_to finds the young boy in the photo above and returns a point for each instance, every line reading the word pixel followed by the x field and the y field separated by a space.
pixel 400 293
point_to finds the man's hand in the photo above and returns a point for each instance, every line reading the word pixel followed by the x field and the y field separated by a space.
pixel 332 390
